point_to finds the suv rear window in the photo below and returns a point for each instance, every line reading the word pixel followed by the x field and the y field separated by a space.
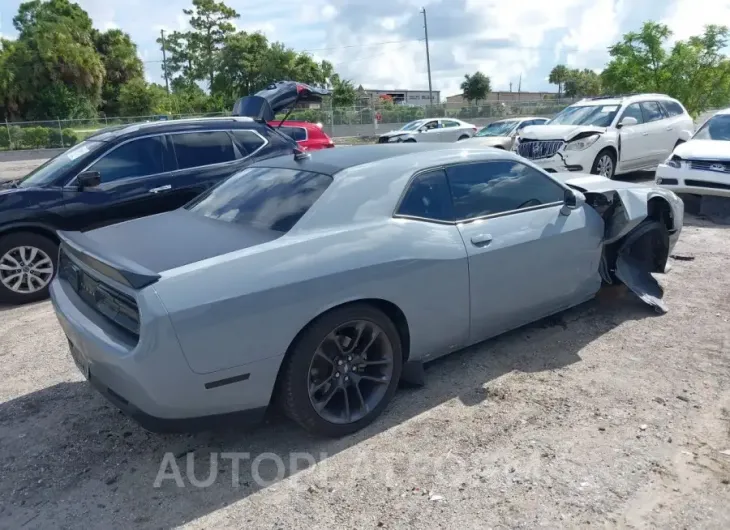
pixel 267 198
pixel 672 107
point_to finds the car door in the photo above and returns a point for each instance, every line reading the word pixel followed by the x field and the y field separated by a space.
pixel 432 133
pixel 635 147
pixel 529 255
pixel 660 141
pixel 133 175
pixel 451 130
pixel 204 159
pixel 425 217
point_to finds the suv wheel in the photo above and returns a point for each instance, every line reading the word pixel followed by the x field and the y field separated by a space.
pixel 604 164
pixel 27 265
pixel 342 371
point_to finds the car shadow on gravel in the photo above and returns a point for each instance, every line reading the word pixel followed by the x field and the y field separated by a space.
pixel 69 459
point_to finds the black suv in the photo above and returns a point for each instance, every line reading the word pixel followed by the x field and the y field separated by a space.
pixel 126 172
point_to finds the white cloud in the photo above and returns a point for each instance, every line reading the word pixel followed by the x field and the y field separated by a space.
pixel 503 39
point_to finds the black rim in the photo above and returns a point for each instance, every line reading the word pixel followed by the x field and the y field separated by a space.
pixel 350 372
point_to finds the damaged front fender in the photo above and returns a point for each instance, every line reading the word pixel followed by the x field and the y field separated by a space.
pixel 642 224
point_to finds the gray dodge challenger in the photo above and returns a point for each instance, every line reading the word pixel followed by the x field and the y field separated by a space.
pixel 319 281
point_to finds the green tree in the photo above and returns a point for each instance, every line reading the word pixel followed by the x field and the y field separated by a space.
pixel 558 76
pixel 138 98
pixel 694 71
pixel 582 83
pixel 476 87
pixel 211 23
pixel 121 64
pixel 343 92
pixel 638 62
pixel 57 71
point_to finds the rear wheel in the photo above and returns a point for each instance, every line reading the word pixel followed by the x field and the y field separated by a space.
pixel 410 140
pixel 464 137
pixel 27 265
pixel 604 164
pixel 342 371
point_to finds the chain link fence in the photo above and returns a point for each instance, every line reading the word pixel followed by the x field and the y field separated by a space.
pixel 337 122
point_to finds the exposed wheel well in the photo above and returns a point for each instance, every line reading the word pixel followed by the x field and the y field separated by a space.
pixel 613 150
pixel 50 234
pixel 658 209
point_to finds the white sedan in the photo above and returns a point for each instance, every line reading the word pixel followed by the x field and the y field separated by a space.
pixel 430 130
pixel 702 165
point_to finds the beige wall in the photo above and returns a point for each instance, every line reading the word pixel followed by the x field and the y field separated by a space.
pixel 493 97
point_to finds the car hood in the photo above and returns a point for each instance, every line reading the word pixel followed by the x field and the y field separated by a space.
pixel 488 140
pixel 154 242
pixel 704 150
pixel 558 132
pixel 390 134
pixel 597 183
pixel 276 97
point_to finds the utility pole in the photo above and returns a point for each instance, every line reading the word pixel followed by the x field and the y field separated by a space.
pixel 164 61
pixel 428 56
pixel 510 86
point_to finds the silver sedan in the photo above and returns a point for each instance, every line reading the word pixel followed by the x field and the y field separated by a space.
pixel 319 281
pixel 430 130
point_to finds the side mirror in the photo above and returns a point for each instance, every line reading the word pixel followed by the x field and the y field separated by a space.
pixel 572 200
pixel 628 121
pixel 88 179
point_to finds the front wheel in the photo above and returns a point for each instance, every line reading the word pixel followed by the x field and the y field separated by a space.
pixel 342 371
pixel 27 265
pixel 604 164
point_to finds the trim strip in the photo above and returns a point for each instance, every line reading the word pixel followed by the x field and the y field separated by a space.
pixel 227 381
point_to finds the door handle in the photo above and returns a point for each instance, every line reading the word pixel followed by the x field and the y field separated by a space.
pixel 670 128
pixel 161 188
pixel 645 134
pixel 481 240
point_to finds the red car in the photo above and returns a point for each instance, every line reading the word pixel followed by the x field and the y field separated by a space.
pixel 308 135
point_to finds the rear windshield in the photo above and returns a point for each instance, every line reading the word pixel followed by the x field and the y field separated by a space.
pixel 267 198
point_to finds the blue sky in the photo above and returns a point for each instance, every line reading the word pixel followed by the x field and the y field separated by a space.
pixel 502 38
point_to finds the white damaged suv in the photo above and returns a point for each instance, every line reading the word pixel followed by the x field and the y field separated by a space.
pixel 608 135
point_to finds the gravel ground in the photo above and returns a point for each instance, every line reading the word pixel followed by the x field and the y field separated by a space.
pixel 606 415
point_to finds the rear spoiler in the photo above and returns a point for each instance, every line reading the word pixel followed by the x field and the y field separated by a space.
pixel 87 251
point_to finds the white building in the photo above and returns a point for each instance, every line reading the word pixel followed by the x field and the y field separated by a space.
pixel 419 98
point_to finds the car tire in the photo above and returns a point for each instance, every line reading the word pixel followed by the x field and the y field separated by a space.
pixel 409 141
pixel 41 255
pixel 603 159
pixel 465 137
pixel 300 387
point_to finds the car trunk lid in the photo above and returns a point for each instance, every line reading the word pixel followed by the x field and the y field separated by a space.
pixel 265 104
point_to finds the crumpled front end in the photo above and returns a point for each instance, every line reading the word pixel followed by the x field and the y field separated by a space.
pixel 642 226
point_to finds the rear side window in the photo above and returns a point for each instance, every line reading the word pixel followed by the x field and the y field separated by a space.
pixel 652 111
pixel 298 134
pixel 449 123
pixel 489 188
pixel 202 148
pixel 266 198
pixel 672 108
pixel 249 141
pixel 428 197
pixel 138 158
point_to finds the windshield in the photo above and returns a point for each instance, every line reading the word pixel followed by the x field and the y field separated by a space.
pixel 412 125
pixel 598 115
pixel 50 170
pixel 266 198
pixel 716 128
pixel 499 128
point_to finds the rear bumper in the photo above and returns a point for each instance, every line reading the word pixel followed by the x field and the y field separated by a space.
pixel 691 181
pixel 151 380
